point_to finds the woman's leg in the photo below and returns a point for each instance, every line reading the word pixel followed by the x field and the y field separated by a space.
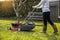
pixel 48 18
pixel 53 25
pixel 45 22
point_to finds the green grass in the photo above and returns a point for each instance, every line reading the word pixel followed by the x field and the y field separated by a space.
pixel 6 34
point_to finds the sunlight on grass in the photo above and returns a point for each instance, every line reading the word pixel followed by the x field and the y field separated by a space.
pixel 6 34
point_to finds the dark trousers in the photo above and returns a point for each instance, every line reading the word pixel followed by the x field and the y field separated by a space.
pixel 46 18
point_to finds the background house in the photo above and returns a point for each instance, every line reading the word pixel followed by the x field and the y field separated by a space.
pixel 55 10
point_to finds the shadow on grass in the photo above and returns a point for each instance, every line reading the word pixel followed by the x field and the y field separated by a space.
pixel 28 31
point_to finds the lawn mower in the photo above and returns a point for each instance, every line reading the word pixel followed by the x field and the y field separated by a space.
pixel 27 26
pixel 22 27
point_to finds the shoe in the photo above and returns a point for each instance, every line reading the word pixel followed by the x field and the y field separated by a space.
pixel 55 29
pixel 55 32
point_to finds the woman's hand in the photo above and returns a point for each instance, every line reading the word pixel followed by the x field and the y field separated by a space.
pixel 34 6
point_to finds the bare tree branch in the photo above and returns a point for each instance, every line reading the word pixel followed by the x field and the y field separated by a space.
pixel 17 6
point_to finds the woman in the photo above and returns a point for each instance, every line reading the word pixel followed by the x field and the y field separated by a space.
pixel 44 4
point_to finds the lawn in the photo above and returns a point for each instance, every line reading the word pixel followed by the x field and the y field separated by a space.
pixel 6 34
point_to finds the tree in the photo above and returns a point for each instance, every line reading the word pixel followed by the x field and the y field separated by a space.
pixel 23 6
pixel 17 6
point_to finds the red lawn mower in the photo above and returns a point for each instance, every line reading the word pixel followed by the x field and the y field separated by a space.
pixel 22 27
